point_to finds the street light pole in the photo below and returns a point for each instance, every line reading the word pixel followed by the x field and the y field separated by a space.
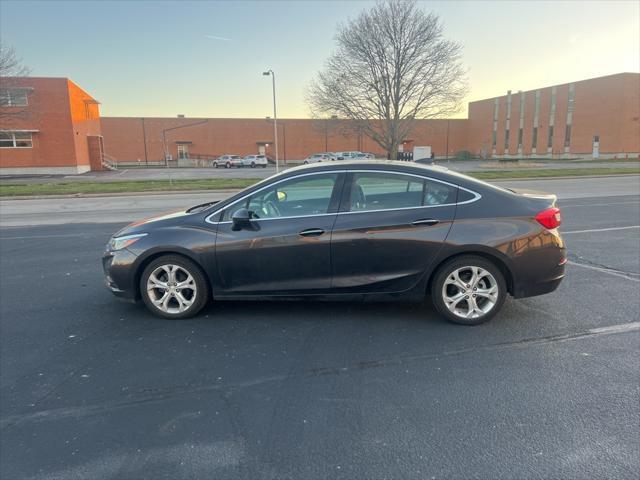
pixel 275 115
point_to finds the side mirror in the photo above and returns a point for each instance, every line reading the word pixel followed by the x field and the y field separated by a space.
pixel 241 219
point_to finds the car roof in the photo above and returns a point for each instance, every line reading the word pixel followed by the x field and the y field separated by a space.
pixel 435 171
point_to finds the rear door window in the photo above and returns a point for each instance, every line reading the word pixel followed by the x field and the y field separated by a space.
pixel 387 191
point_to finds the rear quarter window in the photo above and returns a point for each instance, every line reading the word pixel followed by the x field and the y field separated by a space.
pixel 465 195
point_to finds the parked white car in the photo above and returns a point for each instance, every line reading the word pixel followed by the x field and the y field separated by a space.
pixel 317 157
pixel 227 161
pixel 254 161
pixel 349 155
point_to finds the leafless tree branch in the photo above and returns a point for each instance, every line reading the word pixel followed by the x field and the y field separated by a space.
pixel 10 68
pixel 392 66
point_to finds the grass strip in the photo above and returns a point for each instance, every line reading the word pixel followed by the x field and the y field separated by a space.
pixel 78 188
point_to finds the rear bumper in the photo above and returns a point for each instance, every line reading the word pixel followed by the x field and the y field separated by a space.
pixel 539 288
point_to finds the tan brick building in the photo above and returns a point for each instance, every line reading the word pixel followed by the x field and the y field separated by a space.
pixel 48 125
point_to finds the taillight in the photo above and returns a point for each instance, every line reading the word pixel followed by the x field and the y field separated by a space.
pixel 549 218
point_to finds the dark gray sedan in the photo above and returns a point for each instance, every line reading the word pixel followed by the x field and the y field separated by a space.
pixel 361 230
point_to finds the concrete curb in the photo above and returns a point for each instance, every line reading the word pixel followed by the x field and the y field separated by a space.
pixel 232 191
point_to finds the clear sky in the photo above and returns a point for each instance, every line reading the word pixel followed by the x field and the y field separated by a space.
pixel 205 58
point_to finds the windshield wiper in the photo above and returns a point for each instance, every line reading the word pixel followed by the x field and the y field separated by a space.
pixel 202 206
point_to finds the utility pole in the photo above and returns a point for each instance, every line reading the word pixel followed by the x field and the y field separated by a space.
pixel 275 115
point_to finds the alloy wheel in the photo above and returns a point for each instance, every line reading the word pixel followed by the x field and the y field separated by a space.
pixel 470 292
pixel 171 289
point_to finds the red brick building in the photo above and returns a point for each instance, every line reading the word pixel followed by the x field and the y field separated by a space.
pixel 599 117
pixel 54 127
pixel 145 139
pixel 589 118
pixel 48 125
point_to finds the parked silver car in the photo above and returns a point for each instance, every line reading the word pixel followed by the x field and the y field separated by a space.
pixel 317 157
pixel 227 161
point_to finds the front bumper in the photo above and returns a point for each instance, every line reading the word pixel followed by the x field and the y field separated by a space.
pixel 119 272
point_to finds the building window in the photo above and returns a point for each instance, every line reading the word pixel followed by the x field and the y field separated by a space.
pixel 534 138
pixel 567 136
pixel 520 138
pixel 10 139
pixel 550 142
pixel 13 97
pixel 494 139
pixel 506 140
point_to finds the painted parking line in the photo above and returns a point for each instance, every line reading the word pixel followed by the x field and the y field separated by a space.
pixel 593 230
pixel 615 273
pixel 29 237
pixel 601 204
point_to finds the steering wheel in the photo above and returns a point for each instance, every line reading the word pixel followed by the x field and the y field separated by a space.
pixel 270 209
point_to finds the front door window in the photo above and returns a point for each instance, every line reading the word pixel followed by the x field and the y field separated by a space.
pixel 309 195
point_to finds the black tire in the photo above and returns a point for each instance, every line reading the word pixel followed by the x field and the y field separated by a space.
pixel 264 166
pixel 215 164
pixel 227 165
pixel 448 269
pixel 253 164
pixel 306 163
pixel 202 292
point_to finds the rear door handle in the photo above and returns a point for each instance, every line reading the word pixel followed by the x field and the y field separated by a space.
pixel 311 232
pixel 426 221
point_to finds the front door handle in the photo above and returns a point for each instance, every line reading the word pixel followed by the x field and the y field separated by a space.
pixel 426 221
pixel 311 232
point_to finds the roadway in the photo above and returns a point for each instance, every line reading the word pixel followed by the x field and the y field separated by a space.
pixel 95 388
pixel 105 209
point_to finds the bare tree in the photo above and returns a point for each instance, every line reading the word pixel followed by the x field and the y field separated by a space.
pixel 392 66
pixel 10 68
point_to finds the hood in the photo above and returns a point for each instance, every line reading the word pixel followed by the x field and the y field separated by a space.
pixel 142 226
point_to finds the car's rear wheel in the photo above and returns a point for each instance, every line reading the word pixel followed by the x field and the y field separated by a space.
pixel 469 290
pixel 306 162
pixel 227 165
pixel 215 164
pixel 174 287
pixel 253 164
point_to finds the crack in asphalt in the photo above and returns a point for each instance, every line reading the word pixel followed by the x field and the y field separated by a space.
pixel 168 393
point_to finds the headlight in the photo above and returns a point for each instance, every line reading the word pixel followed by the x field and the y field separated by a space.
pixel 118 243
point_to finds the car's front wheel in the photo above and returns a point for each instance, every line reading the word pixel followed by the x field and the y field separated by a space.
pixel 174 287
pixel 468 290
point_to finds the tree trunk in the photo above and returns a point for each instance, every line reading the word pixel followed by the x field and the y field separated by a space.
pixel 393 153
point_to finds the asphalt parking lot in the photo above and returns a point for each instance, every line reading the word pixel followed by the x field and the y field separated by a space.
pixel 91 387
